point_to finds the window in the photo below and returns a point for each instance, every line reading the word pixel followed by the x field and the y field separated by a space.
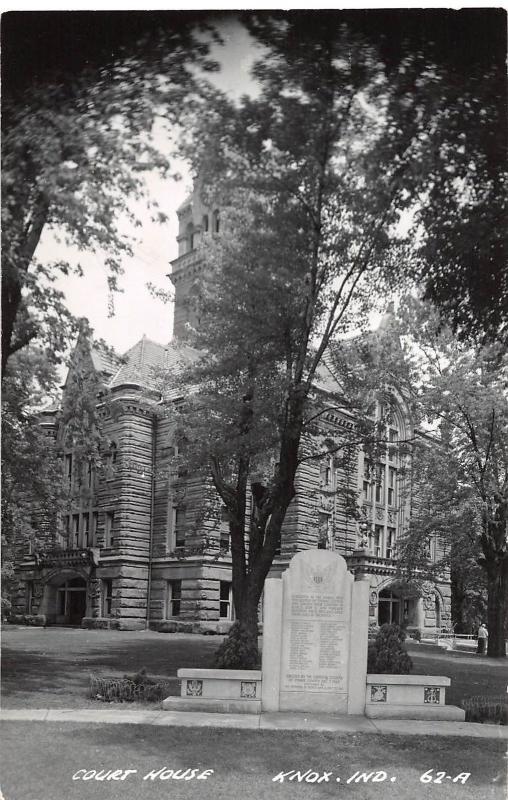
pixel 90 475
pixel 393 438
pixel 29 597
pixel 173 598
pixel 93 539
pixel 378 539
pixel 107 597
pixel 215 222
pixel 390 542
pixel 380 484
pixel 226 600
pixel 324 531
pixel 224 543
pixel 179 517
pixel 205 224
pixel 86 530
pixel 190 237
pixel 67 530
pixel 327 473
pixel 75 531
pixel 68 469
pixel 109 521
pixel 392 486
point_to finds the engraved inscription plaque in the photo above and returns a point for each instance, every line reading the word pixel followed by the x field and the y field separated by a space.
pixel 316 628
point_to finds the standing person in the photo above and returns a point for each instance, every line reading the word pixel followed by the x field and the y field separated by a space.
pixel 483 635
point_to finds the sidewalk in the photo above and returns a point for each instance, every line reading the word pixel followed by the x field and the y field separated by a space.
pixel 264 721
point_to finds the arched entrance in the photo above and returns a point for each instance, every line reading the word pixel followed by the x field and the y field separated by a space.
pixel 71 602
pixel 389 608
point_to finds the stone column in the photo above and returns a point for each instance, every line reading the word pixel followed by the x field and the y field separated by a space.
pixel 358 645
pixel 272 637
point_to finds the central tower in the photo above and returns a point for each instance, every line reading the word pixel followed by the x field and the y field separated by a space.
pixel 195 222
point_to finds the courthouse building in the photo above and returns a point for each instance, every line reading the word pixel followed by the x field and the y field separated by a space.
pixel 134 548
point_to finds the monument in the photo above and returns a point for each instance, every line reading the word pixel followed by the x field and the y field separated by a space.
pixel 315 631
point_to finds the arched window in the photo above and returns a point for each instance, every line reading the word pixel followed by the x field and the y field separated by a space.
pixel 215 222
pixel 190 237
pixel 205 224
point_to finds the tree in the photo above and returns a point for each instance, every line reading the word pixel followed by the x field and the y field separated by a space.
pixel 444 527
pixel 31 471
pixel 74 157
pixel 310 177
pixel 464 391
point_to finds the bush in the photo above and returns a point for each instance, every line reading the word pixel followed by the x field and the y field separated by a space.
pixel 387 653
pixel 128 689
pixel 482 708
pixel 416 635
pixel 239 650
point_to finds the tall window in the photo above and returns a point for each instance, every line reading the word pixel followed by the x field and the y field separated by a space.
pixel 90 475
pixel 68 469
pixel 86 530
pixel 205 224
pixel 226 600
pixel 378 540
pixel 392 486
pixel 75 530
pixel 107 597
pixel 173 598
pixel 109 521
pixel 95 520
pixel 326 471
pixel 215 222
pixel 390 542
pixel 224 543
pixel 380 484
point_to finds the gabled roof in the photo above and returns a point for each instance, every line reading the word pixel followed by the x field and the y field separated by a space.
pixel 141 363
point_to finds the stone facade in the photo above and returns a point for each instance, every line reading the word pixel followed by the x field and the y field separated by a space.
pixel 135 548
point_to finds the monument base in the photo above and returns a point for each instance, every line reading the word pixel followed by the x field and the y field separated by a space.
pixel 319 703
pixel 212 705
pixel 393 711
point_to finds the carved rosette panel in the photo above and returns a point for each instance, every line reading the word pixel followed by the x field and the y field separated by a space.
pixel 248 689
pixel 378 694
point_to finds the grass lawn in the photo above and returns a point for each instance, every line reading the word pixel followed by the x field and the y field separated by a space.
pixel 50 668
pixel 39 760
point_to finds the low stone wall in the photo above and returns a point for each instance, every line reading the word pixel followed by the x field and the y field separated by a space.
pixel 219 628
pixel 409 697
pixel 218 690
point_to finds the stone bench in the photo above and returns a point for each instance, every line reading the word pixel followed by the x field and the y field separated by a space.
pixel 218 690
pixel 409 697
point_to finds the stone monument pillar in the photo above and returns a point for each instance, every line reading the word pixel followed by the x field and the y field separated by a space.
pixel 315 637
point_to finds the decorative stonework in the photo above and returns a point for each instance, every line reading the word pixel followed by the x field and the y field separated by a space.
pixel 378 694
pixel 431 694
pixel 248 689
pixel 194 688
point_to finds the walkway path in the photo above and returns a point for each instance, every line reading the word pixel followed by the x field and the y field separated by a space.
pixel 265 721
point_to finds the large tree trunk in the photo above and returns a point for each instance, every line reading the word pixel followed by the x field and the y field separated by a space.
pixel 497 585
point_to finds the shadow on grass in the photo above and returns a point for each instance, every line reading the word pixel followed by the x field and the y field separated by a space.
pixel 32 672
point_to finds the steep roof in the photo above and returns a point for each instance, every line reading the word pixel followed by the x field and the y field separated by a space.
pixel 104 359
pixel 141 362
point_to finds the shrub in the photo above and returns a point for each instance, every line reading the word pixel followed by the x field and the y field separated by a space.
pixel 239 650
pixel 128 689
pixel 482 708
pixel 416 635
pixel 387 653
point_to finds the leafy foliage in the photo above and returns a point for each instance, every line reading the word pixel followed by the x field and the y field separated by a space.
pixel 463 485
pixel 387 653
pixel 75 155
pixel 239 650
